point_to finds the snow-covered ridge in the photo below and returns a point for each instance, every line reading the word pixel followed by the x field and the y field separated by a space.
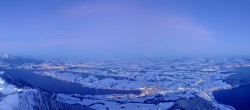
pixel 10 101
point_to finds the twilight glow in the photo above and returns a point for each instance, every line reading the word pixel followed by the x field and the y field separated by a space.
pixel 125 27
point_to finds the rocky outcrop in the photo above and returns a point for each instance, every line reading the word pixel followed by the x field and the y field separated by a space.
pixel 36 100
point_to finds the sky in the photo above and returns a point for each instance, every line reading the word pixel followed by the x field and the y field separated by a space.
pixel 125 27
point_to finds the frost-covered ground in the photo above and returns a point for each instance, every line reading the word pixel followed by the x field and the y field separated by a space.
pixel 166 83
pixel 9 98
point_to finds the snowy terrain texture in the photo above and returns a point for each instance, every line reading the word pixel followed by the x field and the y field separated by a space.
pixel 165 83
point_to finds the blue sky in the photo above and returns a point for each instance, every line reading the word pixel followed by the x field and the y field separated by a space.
pixel 125 27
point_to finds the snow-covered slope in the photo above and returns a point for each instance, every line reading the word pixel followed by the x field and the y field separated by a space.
pixel 12 98
pixel 164 83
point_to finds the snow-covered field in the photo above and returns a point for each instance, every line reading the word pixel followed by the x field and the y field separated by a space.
pixel 163 82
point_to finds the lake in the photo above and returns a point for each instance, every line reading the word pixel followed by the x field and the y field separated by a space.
pixel 23 78
pixel 238 97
